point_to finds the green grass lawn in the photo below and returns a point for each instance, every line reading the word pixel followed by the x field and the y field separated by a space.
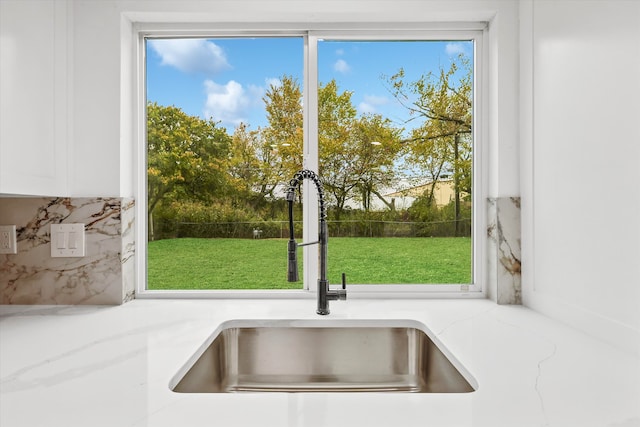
pixel 262 264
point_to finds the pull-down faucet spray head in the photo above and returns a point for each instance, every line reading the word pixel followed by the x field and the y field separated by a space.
pixel 292 266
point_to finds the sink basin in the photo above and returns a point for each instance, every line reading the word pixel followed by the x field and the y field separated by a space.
pixel 321 356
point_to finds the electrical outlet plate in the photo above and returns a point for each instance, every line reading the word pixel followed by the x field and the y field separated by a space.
pixel 67 240
pixel 8 244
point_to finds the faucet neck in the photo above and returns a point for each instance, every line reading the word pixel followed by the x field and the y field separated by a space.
pixel 324 293
pixel 295 183
pixel 323 234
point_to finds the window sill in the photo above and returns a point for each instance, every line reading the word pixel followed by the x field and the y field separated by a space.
pixel 354 292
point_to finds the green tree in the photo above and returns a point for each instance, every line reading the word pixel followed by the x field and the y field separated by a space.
pixel 350 166
pixel 357 154
pixel 442 143
pixel 244 165
pixel 377 144
pixel 186 158
pixel 336 119
pixel 255 166
pixel 283 136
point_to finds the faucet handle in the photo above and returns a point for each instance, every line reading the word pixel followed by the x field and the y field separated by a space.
pixel 342 293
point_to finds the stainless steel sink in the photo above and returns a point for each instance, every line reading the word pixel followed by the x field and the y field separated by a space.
pixel 321 356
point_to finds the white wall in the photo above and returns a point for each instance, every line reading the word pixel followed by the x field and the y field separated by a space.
pixel 88 73
pixel 581 164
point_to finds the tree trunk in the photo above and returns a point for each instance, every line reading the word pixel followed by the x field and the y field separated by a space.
pixel 456 183
pixel 150 225
pixel 391 205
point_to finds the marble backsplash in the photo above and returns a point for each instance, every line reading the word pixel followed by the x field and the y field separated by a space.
pixel 503 244
pixel 104 276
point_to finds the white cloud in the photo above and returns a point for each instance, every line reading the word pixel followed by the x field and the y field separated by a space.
pixel 453 49
pixel 340 52
pixel 226 103
pixel 274 81
pixel 255 93
pixel 371 102
pixel 365 107
pixel 376 100
pixel 341 66
pixel 191 55
pixel 233 103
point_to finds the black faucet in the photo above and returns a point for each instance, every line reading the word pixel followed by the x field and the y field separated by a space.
pixel 324 293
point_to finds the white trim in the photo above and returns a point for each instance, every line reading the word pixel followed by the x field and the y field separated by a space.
pixel 355 292
pixel 310 161
pixel 475 31
pixel 431 30
pixel 527 108
pixel 403 34
pixel 140 161
pixel 480 160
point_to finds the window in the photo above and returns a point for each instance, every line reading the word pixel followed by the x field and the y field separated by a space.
pixel 389 121
pixel 224 127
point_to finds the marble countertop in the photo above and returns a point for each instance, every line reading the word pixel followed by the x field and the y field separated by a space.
pixel 111 366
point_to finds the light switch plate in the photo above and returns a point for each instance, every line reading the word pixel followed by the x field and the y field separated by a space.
pixel 8 244
pixel 67 240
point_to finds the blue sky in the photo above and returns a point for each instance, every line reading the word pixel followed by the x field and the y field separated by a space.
pixel 227 78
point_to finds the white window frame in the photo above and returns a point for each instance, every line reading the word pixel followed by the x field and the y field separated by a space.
pixel 462 31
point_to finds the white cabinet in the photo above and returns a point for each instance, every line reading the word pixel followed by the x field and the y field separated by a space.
pixel 34 97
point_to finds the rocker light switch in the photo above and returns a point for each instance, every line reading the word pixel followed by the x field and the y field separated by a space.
pixel 60 243
pixel 67 240
pixel 73 243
